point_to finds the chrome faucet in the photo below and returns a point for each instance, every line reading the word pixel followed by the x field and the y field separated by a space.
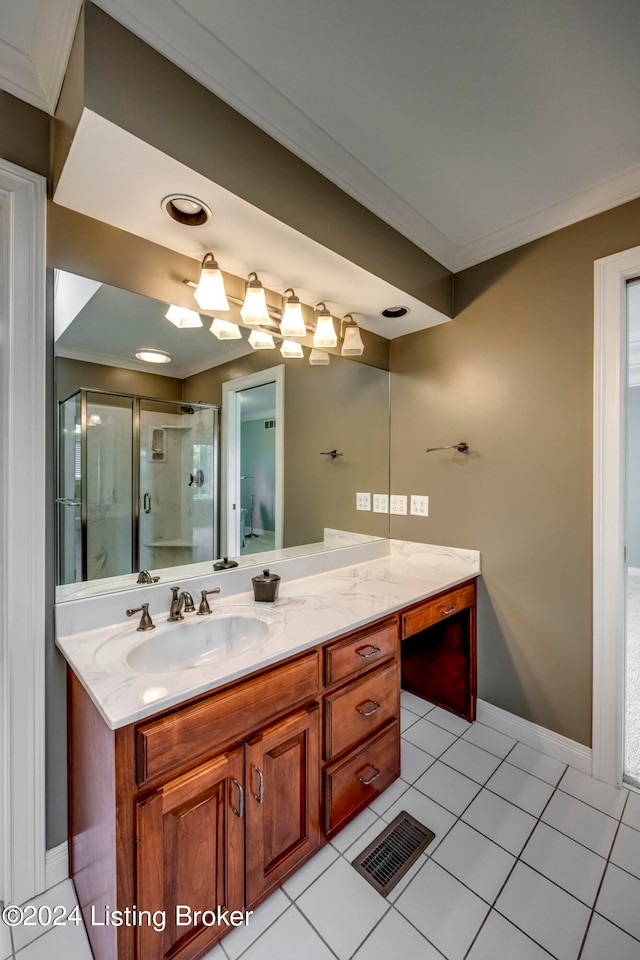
pixel 145 577
pixel 204 607
pixel 145 620
pixel 180 602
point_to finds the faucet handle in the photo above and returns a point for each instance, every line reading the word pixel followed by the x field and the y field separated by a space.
pixel 146 622
pixel 204 607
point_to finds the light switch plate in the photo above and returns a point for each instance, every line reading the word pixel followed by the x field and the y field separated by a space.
pixel 363 501
pixel 381 503
pixel 419 506
pixel 398 504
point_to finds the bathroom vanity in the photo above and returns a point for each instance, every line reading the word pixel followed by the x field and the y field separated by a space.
pixel 214 799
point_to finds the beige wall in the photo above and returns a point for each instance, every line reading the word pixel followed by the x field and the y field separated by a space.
pixel 24 134
pixel 73 374
pixel 512 376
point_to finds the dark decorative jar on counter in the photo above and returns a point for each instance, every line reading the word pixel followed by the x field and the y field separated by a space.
pixel 265 587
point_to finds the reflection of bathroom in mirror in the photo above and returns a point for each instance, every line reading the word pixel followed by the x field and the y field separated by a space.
pixel 141 453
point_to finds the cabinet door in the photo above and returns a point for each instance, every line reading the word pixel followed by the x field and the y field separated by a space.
pixel 282 779
pixel 190 852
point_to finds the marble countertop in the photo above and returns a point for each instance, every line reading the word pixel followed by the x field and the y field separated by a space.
pixel 308 611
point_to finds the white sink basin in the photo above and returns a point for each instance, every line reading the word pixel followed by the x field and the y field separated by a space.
pixel 192 645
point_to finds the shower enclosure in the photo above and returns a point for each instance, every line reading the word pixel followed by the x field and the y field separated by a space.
pixel 137 484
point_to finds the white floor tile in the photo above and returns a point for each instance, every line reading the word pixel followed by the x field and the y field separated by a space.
pixel 479 863
pixel 449 721
pixel 390 795
pixel 489 739
pixel 447 787
pixel 393 937
pixel 413 761
pixel 470 760
pixel 499 938
pixel 631 815
pixel 626 850
pixel 521 788
pixel 416 704
pixel 619 898
pixel 239 939
pixel 5 941
pixel 407 719
pixel 426 811
pixel 289 938
pixel 355 829
pixel 70 942
pixel 606 941
pixel 446 912
pixel 536 763
pixel 312 869
pixel 608 799
pixel 342 907
pixel 500 821
pixel 569 864
pixel 551 917
pixel 429 737
pixel 581 822
pixel 63 894
pixel 363 841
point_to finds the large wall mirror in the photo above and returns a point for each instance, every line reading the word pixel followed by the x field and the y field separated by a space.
pixel 220 450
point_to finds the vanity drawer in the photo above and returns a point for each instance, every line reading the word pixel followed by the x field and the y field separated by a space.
pixel 178 740
pixel 361 652
pixel 352 783
pixel 433 611
pixel 355 711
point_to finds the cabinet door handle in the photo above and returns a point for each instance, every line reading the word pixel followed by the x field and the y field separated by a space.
pixel 259 796
pixel 368 708
pixel 374 775
pixel 146 503
pixel 373 651
pixel 239 810
pixel 445 611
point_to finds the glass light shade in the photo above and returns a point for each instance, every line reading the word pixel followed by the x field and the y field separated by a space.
pixel 254 309
pixel 153 356
pixel 209 293
pixel 325 334
pixel 95 420
pixel 225 330
pixel 292 323
pixel 260 340
pixel 182 317
pixel 291 349
pixel 318 358
pixel 352 345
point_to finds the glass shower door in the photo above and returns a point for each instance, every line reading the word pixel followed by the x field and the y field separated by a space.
pixel 69 500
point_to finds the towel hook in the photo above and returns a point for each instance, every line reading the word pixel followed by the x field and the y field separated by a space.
pixel 330 453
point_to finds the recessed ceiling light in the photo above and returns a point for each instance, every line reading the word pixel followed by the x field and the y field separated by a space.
pixel 394 313
pixel 186 210
pixel 153 356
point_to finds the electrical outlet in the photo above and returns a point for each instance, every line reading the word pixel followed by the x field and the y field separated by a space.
pixel 363 501
pixel 419 506
pixel 381 503
pixel 398 504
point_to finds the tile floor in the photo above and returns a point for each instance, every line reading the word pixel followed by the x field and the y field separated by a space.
pixel 531 860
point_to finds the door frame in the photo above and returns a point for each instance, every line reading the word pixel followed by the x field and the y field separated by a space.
pixel 609 567
pixel 230 473
pixel 25 589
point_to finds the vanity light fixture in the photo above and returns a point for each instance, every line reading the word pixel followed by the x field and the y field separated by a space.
pixel 325 333
pixel 254 309
pixel 95 420
pixel 260 340
pixel 292 323
pixel 318 358
pixel 153 356
pixel 210 293
pixel 225 330
pixel 291 349
pixel 182 317
pixel 352 345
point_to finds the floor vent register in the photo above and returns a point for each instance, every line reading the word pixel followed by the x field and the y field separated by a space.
pixel 385 861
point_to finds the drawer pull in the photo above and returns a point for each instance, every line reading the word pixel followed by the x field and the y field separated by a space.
pixel 368 708
pixel 445 611
pixel 374 775
pixel 239 810
pixel 259 796
pixel 373 651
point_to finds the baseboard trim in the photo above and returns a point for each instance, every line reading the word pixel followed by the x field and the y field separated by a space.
pixel 57 865
pixel 546 741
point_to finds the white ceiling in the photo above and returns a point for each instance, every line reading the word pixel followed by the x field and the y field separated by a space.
pixel 470 126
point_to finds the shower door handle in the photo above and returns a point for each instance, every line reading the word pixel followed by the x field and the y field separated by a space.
pixel 146 503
